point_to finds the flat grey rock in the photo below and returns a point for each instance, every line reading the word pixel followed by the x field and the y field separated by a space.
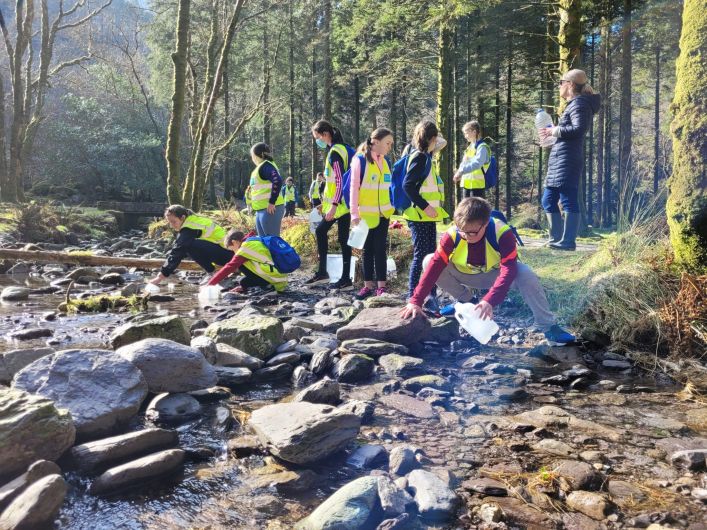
pixel 138 471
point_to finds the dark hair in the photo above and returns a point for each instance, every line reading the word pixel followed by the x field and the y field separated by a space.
pixel 233 235
pixel 423 133
pixel 178 210
pixel 472 209
pixel 323 126
pixel 378 134
pixel 262 150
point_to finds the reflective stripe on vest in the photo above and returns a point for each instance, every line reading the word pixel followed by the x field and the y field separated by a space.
pixel 330 178
pixel 259 261
pixel 432 190
pixel 460 255
pixel 374 193
pixel 261 189
pixel 475 180
pixel 289 194
pixel 210 231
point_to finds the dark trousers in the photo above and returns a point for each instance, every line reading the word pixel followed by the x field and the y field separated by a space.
pixel 206 253
pixel 480 192
pixel 316 202
pixel 567 195
pixel 343 224
pixel 374 252
pixel 424 241
pixel 250 279
pixel 290 209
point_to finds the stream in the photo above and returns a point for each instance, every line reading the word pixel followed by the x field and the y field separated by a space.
pixel 479 431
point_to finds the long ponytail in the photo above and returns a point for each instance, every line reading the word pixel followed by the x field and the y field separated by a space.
pixel 323 126
pixel 378 134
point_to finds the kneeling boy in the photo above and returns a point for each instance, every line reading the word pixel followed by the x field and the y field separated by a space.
pixel 479 252
pixel 253 259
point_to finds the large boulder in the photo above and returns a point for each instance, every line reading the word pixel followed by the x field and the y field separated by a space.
pixel 13 361
pixel 384 323
pixel 169 366
pixel 100 388
pixel 352 506
pixel 434 498
pixel 303 432
pixel 14 293
pixel 171 327
pixel 256 335
pixel 31 429
pixel 37 506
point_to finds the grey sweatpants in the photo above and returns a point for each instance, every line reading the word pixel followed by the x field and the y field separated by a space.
pixel 269 224
pixel 459 285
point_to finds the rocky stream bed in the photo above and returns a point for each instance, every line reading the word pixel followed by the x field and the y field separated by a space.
pixel 310 410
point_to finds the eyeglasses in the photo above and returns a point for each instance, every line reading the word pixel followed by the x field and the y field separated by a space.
pixel 470 232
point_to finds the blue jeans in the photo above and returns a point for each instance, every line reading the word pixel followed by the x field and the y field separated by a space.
pixel 269 224
pixel 424 241
pixel 564 194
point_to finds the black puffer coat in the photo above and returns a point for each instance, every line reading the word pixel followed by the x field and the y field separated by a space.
pixel 564 167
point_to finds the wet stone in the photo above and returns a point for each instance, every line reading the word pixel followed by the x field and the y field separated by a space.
pixel 326 391
pixel 434 499
pixel 31 334
pixel 409 405
pixel 353 368
pixel 367 456
pixel 577 475
pixel 172 408
pixel 138 471
pixel 401 460
pixel 37 505
pixel 232 376
pixel 394 500
pixel 553 447
pixel 486 486
pixel 287 358
pixel 273 373
pixel 401 365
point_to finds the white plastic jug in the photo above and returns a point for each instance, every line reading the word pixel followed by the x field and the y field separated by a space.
pixel 391 268
pixel 314 219
pixel 209 294
pixel 542 121
pixel 481 330
pixel 151 288
pixel 358 235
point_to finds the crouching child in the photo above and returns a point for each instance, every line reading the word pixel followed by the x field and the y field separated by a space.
pixel 253 260
pixel 479 252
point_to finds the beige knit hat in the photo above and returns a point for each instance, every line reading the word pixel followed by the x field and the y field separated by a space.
pixel 579 78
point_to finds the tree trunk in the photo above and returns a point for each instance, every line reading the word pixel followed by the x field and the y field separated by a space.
pixel 608 126
pixel 509 132
pixel 444 111
pixel 357 110
pixel 315 102
pixel 656 124
pixel 603 74
pixel 393 112
pixel 179 58
pixel 82 259
pixel 404 122
pixel 497 128
pixel 327 60
pixel 267 112
pixel 569 36
pixel 226 132
pixel 687 186
pixel 291 158
pixel 625 136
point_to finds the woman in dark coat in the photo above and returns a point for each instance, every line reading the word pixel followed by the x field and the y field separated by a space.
pixel 567 158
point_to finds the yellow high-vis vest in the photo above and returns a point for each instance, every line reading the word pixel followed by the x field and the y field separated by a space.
pixel 374 194
pixel 261 189
pixel 460 255
pixel 432 190
pixel 210 231
pixel 289 194
pixel 259 261
pixel 330 178
pixel 475 180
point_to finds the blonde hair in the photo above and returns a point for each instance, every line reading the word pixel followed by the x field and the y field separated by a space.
pixel 472 125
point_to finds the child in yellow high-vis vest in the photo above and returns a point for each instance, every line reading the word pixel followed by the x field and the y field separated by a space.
pixel 289 192
pixel 265 185
pixel 370 203
pixel 477 160
pixel 253 259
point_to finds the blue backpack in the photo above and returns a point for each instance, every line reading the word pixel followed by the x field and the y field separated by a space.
pixel 491 174
pixel 346 190
pixel 398 197
pixel 284 257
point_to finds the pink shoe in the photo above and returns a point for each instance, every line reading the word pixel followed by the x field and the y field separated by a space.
pixel 381 291
pixel 364 293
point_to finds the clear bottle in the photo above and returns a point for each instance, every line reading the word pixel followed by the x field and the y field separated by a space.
pixel 358 235
pixel 209 294
pixel 314 219
pixel 542 121
pixel 151 288
pixel 468 317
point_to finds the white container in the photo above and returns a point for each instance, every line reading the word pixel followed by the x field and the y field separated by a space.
pixel 170 287
pixel 481 330
pixel 334 265
pixel 209 294
pixel 391 268
pixel 542 121
pixel 314 219
pixel 151 288
pixel 358 235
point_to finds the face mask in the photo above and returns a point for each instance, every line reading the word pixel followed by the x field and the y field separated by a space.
pixel 321 144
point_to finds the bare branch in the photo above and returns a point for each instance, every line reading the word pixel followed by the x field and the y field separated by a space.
pixel 86 18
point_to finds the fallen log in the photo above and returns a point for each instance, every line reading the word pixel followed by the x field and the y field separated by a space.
pixel 87 259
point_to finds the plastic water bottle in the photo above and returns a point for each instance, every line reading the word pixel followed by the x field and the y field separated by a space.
pixel 151 288
pixel 314 219
pixel 209 294
pixel 542 121
pixel 481 330
pixel 358 235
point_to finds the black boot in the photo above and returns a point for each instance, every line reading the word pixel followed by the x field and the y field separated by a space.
pixel 570 233
pixel 554 223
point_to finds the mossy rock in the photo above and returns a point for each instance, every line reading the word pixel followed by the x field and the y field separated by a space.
pixel 170 327
pixel 258 336
pixel 415 384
